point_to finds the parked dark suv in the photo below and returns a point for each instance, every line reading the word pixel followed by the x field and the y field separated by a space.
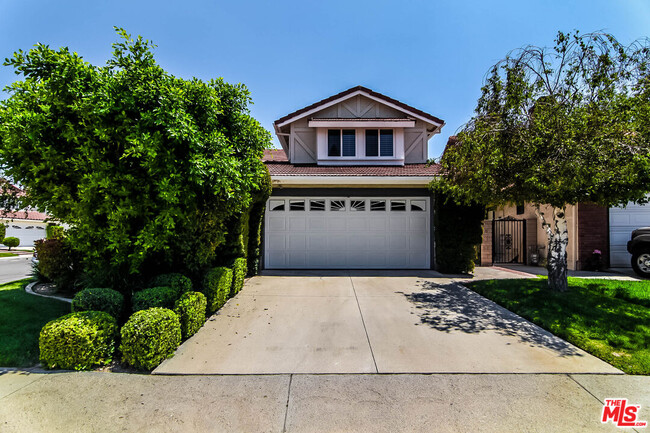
pixel 639 247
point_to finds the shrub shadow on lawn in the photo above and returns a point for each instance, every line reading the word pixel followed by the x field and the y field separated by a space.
pixel 452 307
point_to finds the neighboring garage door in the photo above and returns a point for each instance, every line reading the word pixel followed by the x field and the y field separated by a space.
pixel 621 223
pixel 347 233
pixel 26 233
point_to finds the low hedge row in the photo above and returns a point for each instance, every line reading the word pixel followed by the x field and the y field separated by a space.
pixel 239 269
pixel 179 282
pixel 87 337
pixel 99 299
pixel 154 297
pixel 78 341
pixel 191 312
pixel 217 284
pixel 149 337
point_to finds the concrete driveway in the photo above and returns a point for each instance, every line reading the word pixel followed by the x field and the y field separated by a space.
pixel 371 322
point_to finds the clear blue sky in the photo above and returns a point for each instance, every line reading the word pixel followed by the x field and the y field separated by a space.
pixel 429 54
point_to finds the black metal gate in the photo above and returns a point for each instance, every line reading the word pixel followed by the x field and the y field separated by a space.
pixel 509 241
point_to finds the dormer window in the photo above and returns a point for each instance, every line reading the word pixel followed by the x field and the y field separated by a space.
pixel 379 142
pixel 341 142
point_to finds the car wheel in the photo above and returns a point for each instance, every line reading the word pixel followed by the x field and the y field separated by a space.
pixel 641 262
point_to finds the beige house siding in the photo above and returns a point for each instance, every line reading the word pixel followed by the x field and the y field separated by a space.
pixel 302 143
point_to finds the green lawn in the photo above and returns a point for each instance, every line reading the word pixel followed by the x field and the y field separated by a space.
pixel 8 255
pixel 21 318
pixel 607 318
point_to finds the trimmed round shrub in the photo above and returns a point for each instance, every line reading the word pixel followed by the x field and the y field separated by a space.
pixel 78 341
pixel 190 308
pixel 11 242
pixel 239 269
pixel 98 299
pixel 178 282
pixel 216 287
pixel 149 337
pixel 154 297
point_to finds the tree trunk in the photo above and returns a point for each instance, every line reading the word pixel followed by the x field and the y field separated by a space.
pixel 558 239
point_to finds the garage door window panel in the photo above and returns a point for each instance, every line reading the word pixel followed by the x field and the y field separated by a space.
pixel 317 205
pixel 358 205
pixel 296 205
pixel 377 205
pixel 276 205
pixel 337 205
pixel 418 205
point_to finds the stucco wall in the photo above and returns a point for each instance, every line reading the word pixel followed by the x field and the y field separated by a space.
pixel 541 238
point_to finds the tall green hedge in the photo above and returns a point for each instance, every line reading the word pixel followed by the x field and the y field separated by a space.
pixel 458 232
pixel 255 221
pixel 145 167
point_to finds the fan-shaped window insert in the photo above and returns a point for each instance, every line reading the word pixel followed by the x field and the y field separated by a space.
pixel 337 205
pixel 358 205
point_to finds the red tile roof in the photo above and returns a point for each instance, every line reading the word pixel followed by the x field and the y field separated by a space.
pixel 275 155
pixel 402 105
pixel 278 165
pixel 286 169
pixel 24 215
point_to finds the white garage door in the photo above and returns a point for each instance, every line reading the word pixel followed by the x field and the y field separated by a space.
pixel 621 223
pixel 26 233
pixel 347 233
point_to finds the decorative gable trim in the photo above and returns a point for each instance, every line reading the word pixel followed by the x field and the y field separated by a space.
pixel 350 93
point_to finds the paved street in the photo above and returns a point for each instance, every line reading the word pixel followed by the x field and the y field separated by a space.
pixel 15 268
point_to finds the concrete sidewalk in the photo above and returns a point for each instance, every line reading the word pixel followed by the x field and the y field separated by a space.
pixel 112 402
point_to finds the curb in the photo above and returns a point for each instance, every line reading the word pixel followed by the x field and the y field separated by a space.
pixel 29 290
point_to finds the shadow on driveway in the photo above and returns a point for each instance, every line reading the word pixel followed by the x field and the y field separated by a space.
pixel 452 307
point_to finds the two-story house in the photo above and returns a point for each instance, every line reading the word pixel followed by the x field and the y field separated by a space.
pixel 350 186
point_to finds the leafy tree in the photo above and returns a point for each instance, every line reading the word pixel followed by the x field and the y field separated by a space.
pixel 558 126
pixel 143 166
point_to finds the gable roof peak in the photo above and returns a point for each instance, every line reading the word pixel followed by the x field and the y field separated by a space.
pixel 349 93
